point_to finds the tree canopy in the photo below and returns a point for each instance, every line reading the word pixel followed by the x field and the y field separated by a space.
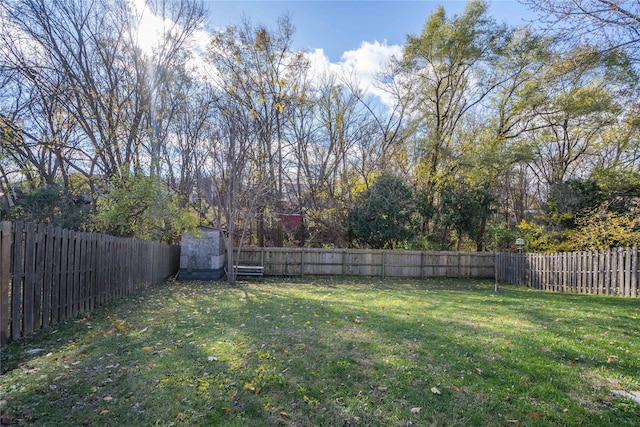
pixel 487 132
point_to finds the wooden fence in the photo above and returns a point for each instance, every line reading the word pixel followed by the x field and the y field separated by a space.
pixel 372 263
pixel 611 272
pixel 48 274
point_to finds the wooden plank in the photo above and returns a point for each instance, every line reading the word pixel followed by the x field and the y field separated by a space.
pixel 91 284
pixel 64 276
pixel 55 282
pixel 99 270
pixel 38 290
pixel 17 285
pixel 626 288
pixel 563 267
pixel 5 280
pixel 47 280
pixel 607 272
pixel 620 272
pixel 77 286
pixel 573 270
pixel 634 272
pixel 29 278
pixel 80 274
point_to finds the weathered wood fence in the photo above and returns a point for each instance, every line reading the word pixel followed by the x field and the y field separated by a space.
pixel 48 274
pixel 364 262
pixel 610 272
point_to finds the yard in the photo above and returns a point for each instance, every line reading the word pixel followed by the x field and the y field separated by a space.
pixel 332 352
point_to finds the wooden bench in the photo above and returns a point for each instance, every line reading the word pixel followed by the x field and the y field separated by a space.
pixel 249 270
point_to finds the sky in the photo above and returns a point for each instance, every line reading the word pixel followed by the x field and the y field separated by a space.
pixel 337 27
pixel 352 39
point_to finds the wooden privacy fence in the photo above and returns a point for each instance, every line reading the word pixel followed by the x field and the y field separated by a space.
pixel 48 274
pixel 610 272
pixel 372 263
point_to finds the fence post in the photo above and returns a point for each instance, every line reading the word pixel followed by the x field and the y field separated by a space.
pixel 634 272
pixel 5 279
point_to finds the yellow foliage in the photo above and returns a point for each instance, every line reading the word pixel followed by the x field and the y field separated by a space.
pixel 604 229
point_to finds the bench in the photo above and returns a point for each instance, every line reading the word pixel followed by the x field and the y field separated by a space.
pixel 249 270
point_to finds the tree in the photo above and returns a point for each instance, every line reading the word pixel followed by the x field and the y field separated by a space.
pixel 142 207
pixel 258 69
pixel 608 24
pixel 82 64
pixel 52 204
pixel 382 214
pixel 327 127
pixel 255 82
pixel 446 73
pixel 465 210
pixel 604 228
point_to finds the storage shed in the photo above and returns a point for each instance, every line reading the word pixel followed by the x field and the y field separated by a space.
pixel 202 255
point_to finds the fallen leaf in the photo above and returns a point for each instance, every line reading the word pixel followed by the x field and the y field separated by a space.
pixel 415 410
pixel 612 358
pixel 149 348
pixel 107 398
pixel 382 388
pixel 233 393
pixel 572 362
pixel 249 386
pixel 455 388
pixel 5 419
pixel 283 414
pixel 435 390
pixel 104 411
pixel 227 409
pixel 533 415
pixel 257 390
pixel 516 422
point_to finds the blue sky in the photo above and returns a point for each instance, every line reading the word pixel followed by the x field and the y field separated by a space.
pixel 341 26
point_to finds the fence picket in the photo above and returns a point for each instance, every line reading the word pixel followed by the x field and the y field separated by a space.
pixel 47 277
pixel 5 279
pixel 55 275
pixel 48 274
pixel 608 272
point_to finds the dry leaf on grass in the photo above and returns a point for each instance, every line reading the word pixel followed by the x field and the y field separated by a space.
pixel 435 390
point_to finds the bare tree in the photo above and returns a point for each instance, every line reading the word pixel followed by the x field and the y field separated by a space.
pixel 608 24
pixel 86 57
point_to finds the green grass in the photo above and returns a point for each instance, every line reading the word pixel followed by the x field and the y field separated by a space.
pixel 332 352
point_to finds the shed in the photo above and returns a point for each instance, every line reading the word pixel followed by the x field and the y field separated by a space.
pixel 202 255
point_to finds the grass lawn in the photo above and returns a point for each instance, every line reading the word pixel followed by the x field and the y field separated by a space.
pixel 332 352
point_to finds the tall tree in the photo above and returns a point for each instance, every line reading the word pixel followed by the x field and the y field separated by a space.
pixel 608 24
pixel 447 73
pixel 575 103
pixel 257 68
pixel 86 57
pixel 381 216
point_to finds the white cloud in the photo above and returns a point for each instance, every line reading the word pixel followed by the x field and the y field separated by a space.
pixel 361 65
